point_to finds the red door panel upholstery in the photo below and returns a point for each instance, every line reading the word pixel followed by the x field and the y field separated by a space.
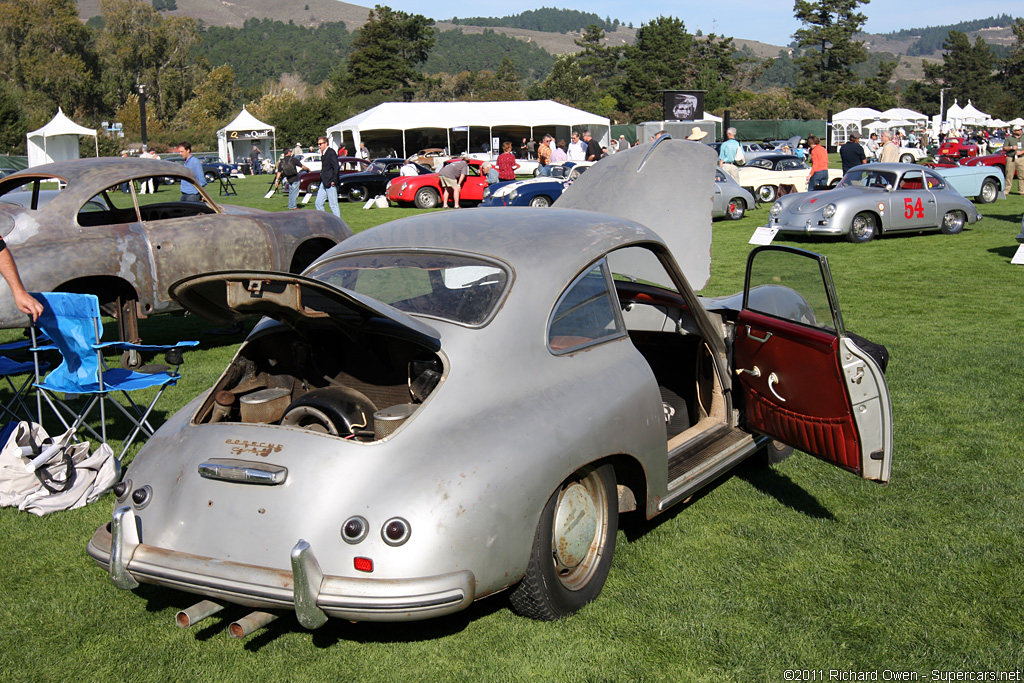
pixel 816 416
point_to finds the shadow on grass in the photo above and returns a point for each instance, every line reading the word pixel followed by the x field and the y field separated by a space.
pixel 1005 252
pixel 769 481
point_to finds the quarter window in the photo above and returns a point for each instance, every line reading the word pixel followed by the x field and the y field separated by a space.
pixel 586 313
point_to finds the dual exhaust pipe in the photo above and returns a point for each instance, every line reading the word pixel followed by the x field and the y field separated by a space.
pixel 237 629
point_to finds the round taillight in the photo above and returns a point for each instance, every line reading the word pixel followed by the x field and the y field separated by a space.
pixel 121 488
pixel 395 531
pixel 354 529
pixel 142 496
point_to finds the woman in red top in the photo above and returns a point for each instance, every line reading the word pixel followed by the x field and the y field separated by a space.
pixel 506 163
pixel 818 177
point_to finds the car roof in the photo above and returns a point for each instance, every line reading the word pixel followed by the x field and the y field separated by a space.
pixel 86 177
pixel 543 246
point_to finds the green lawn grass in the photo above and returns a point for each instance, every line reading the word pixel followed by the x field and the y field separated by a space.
pixel 797 567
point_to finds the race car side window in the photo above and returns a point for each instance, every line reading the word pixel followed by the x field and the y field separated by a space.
pixel 935 182
pixel 586 313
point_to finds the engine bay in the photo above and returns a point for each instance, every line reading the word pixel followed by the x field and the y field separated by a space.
pixel 354 386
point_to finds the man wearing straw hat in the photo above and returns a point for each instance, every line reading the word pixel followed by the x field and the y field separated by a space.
pixel 696 135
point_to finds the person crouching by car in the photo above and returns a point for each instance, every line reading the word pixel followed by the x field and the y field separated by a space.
pixel 451 178
pixel 818 177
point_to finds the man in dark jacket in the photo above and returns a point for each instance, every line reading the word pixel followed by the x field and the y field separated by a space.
pixel 329 175
pixel 852 153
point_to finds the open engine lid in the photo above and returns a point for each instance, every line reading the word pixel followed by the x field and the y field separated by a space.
pixel 667 185
pixel 303 303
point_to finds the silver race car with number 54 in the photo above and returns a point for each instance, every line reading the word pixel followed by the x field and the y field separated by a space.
pixel 874 199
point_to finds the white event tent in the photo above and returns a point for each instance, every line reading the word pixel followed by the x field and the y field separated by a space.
pixel 235 140
pixel 851 120
pixel 973 117
pixel 955 114
pixel 406 127
pixel 57 140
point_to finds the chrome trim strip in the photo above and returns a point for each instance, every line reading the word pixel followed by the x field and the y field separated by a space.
pixel 243 471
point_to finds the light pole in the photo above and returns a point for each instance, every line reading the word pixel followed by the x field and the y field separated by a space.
pixel 142 111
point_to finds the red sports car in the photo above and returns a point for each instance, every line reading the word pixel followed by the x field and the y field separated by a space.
pixel 424 191
pixel 957 148
pixel 997 159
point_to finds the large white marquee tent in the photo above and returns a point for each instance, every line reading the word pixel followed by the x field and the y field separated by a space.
pixel 459 125
pixel 57 140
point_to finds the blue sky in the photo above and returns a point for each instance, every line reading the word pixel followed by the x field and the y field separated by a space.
pixel 768 22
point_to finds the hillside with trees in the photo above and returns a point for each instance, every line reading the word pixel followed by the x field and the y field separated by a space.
pixel 544 19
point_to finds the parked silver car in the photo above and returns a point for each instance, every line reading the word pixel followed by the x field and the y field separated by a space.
pixel 730 200
pixel 454 404
pixel 98 235
pixel 873 199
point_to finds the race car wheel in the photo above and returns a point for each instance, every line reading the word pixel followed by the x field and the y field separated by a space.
pixel 426 198
pixel 736 210
pixel 540 202
pixel 953 222
pixel 863 228
pixel 989 192
pixel 907 158
pixel 766 194
pixel 572 547
pixel 359 193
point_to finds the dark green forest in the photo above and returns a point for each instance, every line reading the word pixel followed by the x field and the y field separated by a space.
pixel 544 19
pixel 263 50
pixel 455 51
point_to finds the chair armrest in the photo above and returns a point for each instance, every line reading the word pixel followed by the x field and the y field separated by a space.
pixel 153 348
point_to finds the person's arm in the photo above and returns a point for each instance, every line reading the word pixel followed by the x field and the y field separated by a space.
pixel 25 302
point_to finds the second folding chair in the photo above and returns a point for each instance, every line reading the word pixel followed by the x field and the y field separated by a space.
pixel 72 322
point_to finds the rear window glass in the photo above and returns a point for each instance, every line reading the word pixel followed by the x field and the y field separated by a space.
pixel 456 287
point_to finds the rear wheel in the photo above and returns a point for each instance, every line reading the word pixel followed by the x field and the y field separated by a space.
pixel 736 210
pixel 426 198
pixel 572 547
pixel 767 194
pixel 953 222
pixel 863 228
pixel 359 193
pixel 540 201
pixel 989 192
pixel 907 158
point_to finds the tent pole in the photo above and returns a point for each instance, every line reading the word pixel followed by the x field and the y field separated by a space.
pixel 405 154
pixel 448 138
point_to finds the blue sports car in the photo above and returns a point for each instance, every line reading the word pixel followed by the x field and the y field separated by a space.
pixel 541 191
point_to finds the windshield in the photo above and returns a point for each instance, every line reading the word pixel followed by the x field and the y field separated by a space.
pixel 460 288
pixel 868 178
pixel 377 167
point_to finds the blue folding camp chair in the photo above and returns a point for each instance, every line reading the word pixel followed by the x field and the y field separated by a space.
pixel 72 322
pixel 9 368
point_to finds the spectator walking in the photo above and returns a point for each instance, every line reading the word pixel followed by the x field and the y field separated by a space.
pixel 889 152
pixel 329 175
pixel 852 153
pixel 189 192
pixel 1013 145
pixel 577 149
pixel 289 170
pixel 254 159
pixel 506 163
pixel 593 148
pixel 727 152
pixel 818 177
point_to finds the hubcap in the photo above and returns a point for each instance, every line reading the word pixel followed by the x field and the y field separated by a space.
pixel 861 228
pixel 578 530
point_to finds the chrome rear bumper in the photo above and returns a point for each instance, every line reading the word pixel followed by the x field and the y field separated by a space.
pixel 311 594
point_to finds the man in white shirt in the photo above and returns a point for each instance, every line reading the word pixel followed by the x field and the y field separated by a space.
pixel 577 148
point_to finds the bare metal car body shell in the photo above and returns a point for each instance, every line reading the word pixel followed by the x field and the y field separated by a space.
pixel 471 469
pixel 137 251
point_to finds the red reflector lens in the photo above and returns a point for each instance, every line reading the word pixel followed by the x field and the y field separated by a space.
pixel 364 564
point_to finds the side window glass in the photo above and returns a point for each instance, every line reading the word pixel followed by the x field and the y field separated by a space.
pixel 586 313
pixel 935 182
pixel 794 285
pixel 118 207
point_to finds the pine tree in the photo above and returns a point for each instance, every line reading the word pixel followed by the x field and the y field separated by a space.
pixel 830 50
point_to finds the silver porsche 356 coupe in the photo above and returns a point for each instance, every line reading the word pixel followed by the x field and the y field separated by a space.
pixel 456 404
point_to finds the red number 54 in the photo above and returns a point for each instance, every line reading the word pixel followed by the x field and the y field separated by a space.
pixel 910 207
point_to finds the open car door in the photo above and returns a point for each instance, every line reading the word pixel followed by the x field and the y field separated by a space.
pixel 804 381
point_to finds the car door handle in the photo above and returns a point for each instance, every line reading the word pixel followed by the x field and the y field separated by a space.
pixel 773 379
pixel 767 336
